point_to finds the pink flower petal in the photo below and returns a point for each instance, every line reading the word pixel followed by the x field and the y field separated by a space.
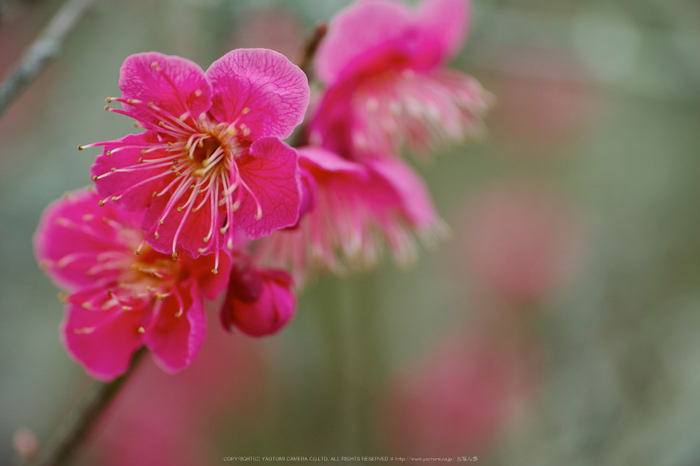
pixel 260 89
pixel 412 192
pixel 173 85
pixel 106 351
pixel 359 209
pixel 114 174
pixel 328 161
pixel 210 284
pixel 449 21
pixel 308 195
pixel 70 236
pixel 361 29
pixel 177 333
pixel 272 198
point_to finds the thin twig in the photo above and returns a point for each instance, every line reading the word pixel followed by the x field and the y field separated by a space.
pixel 306 63
pixel 74 428
pixel 310 47
pixel 42 51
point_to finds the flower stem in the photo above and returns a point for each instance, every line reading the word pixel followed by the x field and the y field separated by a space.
pixel 75 427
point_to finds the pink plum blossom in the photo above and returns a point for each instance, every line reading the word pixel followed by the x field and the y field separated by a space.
pixel 120 301
pixel 358 207
pixel 459 397
pixel 521 241
pixel 383 65
pixel 259 302
pixel 565 102
pixel 211 160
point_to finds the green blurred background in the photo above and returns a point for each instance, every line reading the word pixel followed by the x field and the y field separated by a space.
pixel 591 155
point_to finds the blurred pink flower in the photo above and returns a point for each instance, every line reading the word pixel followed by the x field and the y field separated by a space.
pixel 383 65
pixel 120 301
pixel 211 160
pixel 549 84
pixel 521 241
pixel 358 207
pixel 458 399
pixel 171 420
pixel 259 301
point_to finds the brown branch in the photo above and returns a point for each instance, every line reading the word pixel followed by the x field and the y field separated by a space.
pixel 310 47
pixel 306 62
pixel 43 50
pixel 77 424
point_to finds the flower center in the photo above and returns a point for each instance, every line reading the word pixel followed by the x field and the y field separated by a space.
pixel 206 154
pixel 148 274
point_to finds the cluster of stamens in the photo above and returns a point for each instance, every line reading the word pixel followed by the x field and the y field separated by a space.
pixel 193 162
pixel 418 109
pixel 132 282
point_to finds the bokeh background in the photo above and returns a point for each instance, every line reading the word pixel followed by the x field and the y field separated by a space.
pixel 558 326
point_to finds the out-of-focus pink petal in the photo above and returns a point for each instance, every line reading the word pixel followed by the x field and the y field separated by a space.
pixel 308 195
pixel 328 161
pixel 175 86
pixel 459 398
pixel 259 89
pixel 361 29
pixel 448 19
pixel 71 236
pixel 522 241
pixel 268 312
pixel 413 194
pixel 176 334
pixel 102 341
pixel 364 118
pixel 114 175
pixel 358 211
pixel 271 197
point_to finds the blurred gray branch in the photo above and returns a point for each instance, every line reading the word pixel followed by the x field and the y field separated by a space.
pixel 44 49
pixel 67 438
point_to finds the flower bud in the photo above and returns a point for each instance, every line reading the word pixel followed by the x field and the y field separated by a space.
pixel 258 302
